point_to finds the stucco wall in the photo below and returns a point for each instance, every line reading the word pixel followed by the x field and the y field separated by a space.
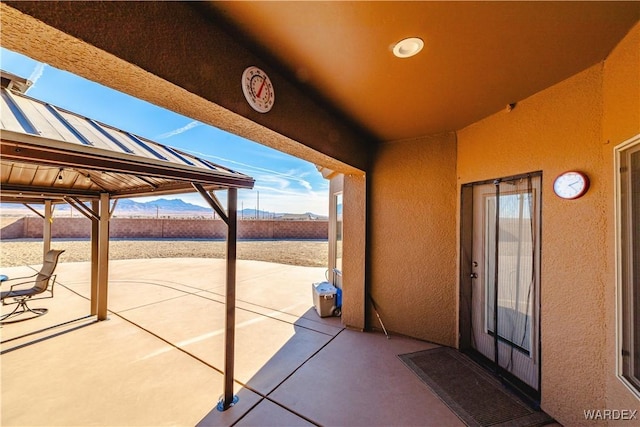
pixel 354 248
pixel 11 228
pixel 31 227
pixel 572 125
pixel 352 281
pixel 413 237
pixel 556 130
pixel 621 121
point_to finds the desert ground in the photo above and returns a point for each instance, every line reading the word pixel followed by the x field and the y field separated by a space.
pixel 306 253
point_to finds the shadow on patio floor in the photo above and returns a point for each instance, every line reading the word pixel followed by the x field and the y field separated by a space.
pixel 158 359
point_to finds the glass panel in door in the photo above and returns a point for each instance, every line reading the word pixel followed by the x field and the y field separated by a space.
pixel 506 275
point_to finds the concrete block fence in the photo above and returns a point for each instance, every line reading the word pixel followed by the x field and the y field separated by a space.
pixel 151 228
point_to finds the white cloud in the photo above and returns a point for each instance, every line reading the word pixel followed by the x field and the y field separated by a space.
pixel 285 201
pixel 306 184
pixel 178 131
pixel 276 192
pixel 273 180
pixel 36 74
pixel 292 175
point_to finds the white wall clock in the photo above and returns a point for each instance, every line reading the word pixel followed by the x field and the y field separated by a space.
pixel 258 89
pixel 571 185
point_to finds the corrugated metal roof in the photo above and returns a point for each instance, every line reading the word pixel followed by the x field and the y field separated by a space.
pixel 47 151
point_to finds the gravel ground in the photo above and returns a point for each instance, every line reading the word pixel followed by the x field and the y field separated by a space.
pixel 306 253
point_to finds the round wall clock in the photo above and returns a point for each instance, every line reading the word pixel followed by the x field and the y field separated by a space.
pixel 258 89
pixel 571 185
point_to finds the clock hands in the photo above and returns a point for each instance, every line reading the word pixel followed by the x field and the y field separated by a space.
pixel 257 89
pixel 261 87
pixel 573 183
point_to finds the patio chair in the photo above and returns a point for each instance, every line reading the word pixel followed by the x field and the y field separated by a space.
pixel 44 281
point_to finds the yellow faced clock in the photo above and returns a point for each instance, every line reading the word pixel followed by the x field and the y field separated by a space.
pixel 571 185
pixel 258 89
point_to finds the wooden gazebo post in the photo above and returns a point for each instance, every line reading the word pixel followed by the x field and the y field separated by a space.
pixel 231 219
pixel 95 232
pixel 46 227
pixel 229 399
pixel 103 256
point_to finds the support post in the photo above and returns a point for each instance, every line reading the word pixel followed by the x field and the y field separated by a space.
pixel 46 231
pixel 228 399
pixel 95 236
pixel 103 256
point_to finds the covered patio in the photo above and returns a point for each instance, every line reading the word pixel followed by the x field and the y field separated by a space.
pixel 499 90
pixel 176 341
pixel 160 354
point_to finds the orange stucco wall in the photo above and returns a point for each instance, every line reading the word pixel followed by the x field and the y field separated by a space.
pixel 621 87
pixel 413 237
pixel 352 281
pixel 572 125
pixel 354 247
pixel 414 202
pixel 556 130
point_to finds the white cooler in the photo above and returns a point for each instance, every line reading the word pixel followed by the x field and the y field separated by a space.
pixel 324 298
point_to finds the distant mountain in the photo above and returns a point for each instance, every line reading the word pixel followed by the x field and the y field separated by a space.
pixel 168 208
pixel 251 213
pixel 160 205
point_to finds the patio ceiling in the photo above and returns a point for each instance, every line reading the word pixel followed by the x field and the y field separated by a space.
pixel 51 153
pixel 340 90
pixel 477 58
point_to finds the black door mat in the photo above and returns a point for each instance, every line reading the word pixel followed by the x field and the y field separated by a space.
pixel 471 393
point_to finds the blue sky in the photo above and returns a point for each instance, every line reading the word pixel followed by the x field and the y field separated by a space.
pixel 285 183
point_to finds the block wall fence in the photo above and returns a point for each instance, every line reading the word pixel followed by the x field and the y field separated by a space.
pixel 151 228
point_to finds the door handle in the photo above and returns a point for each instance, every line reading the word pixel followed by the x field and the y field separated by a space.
pixel 474 275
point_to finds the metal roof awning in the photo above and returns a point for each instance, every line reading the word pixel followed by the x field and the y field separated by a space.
pixel 48 152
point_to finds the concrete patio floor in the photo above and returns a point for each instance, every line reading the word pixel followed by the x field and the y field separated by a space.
pixel 158 360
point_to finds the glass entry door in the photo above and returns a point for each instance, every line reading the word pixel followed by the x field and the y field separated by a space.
pixel 505 275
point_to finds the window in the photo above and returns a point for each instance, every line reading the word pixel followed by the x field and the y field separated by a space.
pixel 515 260
pixel 628 167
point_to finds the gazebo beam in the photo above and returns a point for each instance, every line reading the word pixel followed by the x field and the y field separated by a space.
pixel 213 201
pixel 32 209
pixel 82 208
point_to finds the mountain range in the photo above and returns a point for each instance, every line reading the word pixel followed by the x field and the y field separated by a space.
pixel 170 207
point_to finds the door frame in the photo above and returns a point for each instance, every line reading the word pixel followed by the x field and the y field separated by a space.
pixel 465 333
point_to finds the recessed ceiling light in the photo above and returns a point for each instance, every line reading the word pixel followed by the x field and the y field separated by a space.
pixel 408 47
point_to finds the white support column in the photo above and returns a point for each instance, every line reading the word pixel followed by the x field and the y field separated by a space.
pixel 103 256
pixel 46 227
